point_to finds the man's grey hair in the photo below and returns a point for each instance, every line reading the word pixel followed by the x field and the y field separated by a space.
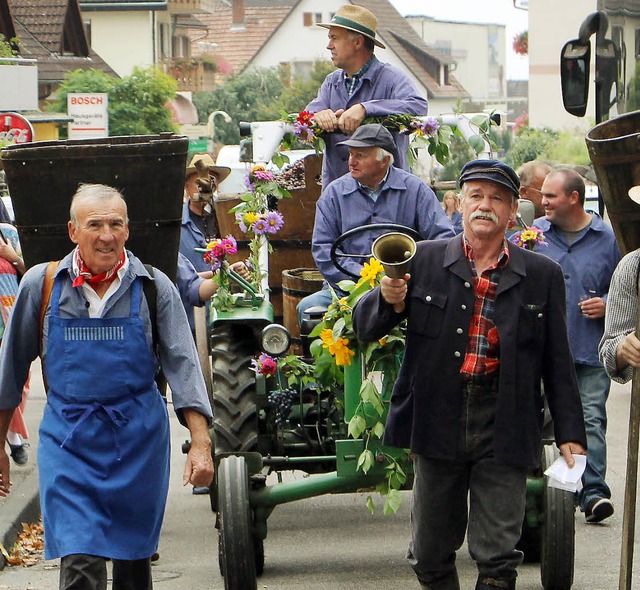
pixel 94 193
pixel 368 42
pixel 382 154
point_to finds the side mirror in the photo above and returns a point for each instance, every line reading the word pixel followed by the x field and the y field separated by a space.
pixel 575 60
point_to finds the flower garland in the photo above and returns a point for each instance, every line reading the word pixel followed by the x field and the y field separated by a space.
pixel 215 256
pixel 430 133
pixel 257 217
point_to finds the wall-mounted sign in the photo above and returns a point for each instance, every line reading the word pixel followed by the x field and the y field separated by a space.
pixel 90 115
pixel 14 128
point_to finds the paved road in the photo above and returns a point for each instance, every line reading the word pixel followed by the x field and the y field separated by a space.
pixel 333 542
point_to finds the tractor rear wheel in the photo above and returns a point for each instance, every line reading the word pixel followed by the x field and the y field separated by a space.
pixel 236 552
pixel 235 422
pixel 558 532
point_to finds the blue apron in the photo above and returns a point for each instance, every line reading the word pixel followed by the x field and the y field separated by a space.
pixel 103 455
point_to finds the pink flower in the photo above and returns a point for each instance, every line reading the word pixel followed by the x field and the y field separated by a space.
pixel 230 245
pixel 265 365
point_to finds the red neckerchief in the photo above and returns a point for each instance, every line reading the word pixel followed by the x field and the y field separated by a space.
pixel 86 276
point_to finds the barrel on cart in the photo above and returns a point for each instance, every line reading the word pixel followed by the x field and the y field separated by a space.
pixel 148 170
pixel 614 149
pixel 292 244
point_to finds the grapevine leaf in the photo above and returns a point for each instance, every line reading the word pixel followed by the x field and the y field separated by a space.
pixel 357 425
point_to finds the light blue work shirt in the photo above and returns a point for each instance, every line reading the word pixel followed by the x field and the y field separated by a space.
pixel 343 205
pixel 382 90
pixel 587 266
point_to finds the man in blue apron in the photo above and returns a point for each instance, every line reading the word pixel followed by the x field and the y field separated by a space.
pixel 104 438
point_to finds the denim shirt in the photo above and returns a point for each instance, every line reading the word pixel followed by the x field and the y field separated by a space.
pixel 382 90
pixel 190 238
pixel 587 266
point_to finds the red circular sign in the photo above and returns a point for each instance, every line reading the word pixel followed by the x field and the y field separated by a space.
pixel 14 128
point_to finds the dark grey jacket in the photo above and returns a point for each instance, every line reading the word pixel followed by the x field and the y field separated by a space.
pixel 530 318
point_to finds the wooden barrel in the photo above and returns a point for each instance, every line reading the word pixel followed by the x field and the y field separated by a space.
pixel 147 169
pixel 614 149
pixel 297 283
pixel 292 244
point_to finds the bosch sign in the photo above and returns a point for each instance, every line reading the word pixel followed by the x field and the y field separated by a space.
pixel 14 128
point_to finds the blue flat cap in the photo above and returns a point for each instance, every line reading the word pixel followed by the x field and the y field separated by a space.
pixel 493 171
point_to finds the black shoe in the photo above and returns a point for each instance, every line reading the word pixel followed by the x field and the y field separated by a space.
pixel 598 510
pixel 19 454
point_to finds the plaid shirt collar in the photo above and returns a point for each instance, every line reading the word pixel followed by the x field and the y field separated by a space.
pixel 467 248
pixel 351 82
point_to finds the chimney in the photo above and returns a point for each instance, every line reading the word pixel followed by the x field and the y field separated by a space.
pixel 237 16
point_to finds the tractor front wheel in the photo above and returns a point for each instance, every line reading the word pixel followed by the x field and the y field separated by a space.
pixel 236 550
pixel 558 532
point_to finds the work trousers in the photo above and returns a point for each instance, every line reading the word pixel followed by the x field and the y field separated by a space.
pixel 495 494
pixel 89 572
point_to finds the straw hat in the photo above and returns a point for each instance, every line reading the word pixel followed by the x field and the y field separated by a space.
pixel 355 18
pixel 206 160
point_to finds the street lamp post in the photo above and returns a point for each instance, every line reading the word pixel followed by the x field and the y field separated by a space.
pixel 211 125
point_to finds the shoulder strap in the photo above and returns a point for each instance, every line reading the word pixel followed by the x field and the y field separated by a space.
pixel 47 287
pixel 150 290
pixel 151 295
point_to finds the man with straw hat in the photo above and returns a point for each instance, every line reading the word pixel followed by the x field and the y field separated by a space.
pixel 199 223
pixel 361 87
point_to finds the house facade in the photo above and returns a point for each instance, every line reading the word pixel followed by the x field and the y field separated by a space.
pixel 479 51
pixel 50 39
pixel 139 33
pixel 259 33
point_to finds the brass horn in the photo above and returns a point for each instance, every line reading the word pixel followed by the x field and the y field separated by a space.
pixel 394 250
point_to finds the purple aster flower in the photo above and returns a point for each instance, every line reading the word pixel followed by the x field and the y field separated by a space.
pixel 240 221
pixel 430 126
pixel 274 221
pixel 260 227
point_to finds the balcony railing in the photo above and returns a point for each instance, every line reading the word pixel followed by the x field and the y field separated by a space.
pixel 195 74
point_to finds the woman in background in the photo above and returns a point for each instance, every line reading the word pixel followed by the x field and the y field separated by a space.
pixel 11 268
pixel 450 204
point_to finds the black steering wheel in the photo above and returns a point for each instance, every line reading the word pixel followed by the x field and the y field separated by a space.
pixel 336 253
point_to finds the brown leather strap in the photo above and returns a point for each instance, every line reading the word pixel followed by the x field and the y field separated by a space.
pixel 47 287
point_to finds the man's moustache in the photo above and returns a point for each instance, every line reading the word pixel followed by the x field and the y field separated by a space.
pixel 483 215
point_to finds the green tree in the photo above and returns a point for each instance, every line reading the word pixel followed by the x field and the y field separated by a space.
pixel 530 144
pixel 136 102
pixel 244 97
pixel 633 91
pixel 259 95
pixel 7 46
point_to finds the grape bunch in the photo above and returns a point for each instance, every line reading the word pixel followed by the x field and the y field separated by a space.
pixel 281 400
pixel 292 177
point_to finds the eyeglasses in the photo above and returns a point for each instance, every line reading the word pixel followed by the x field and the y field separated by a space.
pixel 530 188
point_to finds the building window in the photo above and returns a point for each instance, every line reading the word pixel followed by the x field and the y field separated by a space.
pixel 307 19
pixel 318 17
pixel 301 69
pixel 637 44
pixel 617 35
pixel 443 46
pixel 87 30
pixel 164 41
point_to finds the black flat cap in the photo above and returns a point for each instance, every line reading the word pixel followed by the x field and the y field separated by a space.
pixel 372 135
pixel 492 170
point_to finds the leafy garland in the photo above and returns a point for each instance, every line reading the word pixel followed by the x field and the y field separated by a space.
pixel 428 133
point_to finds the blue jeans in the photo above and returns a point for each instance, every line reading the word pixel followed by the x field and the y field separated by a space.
pixel 594 385
pixel 322 298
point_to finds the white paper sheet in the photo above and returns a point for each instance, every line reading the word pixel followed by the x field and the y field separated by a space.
pixel 561 476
